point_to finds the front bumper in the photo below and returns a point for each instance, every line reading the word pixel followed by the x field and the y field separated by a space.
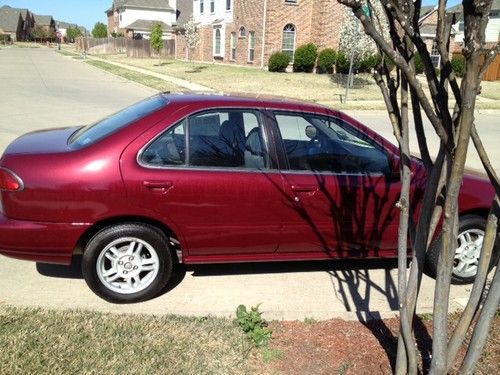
pixel 39 241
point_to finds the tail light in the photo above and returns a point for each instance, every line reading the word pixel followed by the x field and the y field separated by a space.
pixel 10 181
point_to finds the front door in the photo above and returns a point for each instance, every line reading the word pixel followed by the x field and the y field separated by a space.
pixel 341 192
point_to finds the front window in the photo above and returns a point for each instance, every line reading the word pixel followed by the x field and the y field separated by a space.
pixel 217 139
pixel 233 46
pixel 217 42
pixel 101 129
pixel 251 46
pixel 435 56
pixel 288 46
pixel 322 144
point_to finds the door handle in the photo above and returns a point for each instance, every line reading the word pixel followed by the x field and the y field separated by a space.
pixel 158 185
pixel 300 188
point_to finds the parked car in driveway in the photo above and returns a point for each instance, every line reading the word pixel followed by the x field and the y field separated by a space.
pixel 197 178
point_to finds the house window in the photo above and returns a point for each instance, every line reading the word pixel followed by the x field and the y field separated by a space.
pixel 251 46
pixel 242 33
pixel 228 4
pixel 217 42
pixel 202 6
pixel 435 56
pixel 233 46
pixel 288 46
pixel 212 6
pixel 461 26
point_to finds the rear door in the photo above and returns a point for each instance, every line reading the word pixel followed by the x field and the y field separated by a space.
pixel 211 177
pixel 340 187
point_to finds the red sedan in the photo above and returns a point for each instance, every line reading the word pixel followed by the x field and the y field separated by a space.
pixel 208 179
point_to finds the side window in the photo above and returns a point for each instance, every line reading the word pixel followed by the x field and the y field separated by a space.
pixel 168 149
pixel 227 138
pixel 316 143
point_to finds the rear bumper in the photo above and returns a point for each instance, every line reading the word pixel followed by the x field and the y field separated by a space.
pixel 39 241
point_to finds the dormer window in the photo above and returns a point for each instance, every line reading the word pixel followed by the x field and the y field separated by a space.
pixel 242 33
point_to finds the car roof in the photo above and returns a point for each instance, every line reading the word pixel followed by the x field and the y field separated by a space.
pixel 245 100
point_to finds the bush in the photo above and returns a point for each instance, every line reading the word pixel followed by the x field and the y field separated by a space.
pixel 458 65
pixel 368 63
pixel 278 62
pixel 326 60
pixel 342 63
pixel 419 65
pixel 305 58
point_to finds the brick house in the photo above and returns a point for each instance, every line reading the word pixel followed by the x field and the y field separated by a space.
pixel 18 23
pixel 248 32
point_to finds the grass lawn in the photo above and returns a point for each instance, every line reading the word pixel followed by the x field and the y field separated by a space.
pixel 143 79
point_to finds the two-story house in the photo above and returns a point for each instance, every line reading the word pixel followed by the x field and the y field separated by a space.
pixel 248 32
pixel 18 23
pixel 135 18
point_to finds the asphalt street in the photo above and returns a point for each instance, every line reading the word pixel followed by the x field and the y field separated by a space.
pixel 44 89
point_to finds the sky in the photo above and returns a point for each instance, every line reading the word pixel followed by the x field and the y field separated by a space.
pixel 87 13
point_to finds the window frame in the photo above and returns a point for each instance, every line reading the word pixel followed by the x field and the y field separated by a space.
pixel 251 40
pixel 282 157
pixel 229 5
pixel 212 6
pixel 202 6
pixel 234 45
pixel 294 45
pixel 218 30
pixel 267 136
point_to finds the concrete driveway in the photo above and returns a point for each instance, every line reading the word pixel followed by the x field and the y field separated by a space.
pixel 44 89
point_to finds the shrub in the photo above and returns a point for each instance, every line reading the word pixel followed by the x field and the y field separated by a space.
pixel 278 62
pixel 369 62
pixel 252 323
pixel 342 63
pixel 326 60
pixel 305 58
pixel 419 65
pixel 458 65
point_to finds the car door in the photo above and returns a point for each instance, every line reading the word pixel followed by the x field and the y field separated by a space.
pixel 211 177
pixel 341 190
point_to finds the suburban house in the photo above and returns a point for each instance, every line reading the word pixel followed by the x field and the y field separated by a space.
pixel 134 18
pixel 248 32
pixel 17 23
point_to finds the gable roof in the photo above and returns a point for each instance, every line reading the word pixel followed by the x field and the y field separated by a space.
pixel 143 4
pixel 24 11
pixel 146 25
pixel 9 19
pixel 43 20
pixel 184 12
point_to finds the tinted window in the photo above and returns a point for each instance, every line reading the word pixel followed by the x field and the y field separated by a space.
pixel 314 143
pixel 168 149
pixel 101 129
pixel 231 138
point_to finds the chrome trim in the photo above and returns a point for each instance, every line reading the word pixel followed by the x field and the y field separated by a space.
pixel 21 183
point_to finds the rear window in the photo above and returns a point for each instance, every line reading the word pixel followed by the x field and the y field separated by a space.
pixel 101 129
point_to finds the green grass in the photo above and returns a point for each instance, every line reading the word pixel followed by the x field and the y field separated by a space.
pixel 144 79
pixel 36 341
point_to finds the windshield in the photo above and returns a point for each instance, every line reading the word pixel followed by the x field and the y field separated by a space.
pixel 101 129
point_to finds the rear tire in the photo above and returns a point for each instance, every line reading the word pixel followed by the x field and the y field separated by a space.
pixel 469 242
pixel 127 263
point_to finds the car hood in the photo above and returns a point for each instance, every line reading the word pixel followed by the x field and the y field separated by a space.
pixel 42 142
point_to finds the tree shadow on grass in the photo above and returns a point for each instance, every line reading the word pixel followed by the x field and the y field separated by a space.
pixel 358 82
pixel 197 69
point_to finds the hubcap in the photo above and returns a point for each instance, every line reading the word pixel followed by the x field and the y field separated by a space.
pixel 469 244
pixel 127 265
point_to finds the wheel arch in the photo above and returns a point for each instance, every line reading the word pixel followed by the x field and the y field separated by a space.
pixel 172 237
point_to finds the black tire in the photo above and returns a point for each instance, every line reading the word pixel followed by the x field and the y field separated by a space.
pixel 150 250
pixel 467 223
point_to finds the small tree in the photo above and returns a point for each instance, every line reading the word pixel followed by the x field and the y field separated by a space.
pixel 72 33
pixel 100 30
pixel 192 36
pixel 156 39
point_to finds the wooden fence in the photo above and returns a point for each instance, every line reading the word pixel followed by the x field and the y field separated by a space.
pixel 133 48
pixel 493 71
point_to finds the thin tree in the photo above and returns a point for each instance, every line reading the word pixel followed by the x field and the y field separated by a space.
pixel 156 39
pixel 192 36
pixel 454 128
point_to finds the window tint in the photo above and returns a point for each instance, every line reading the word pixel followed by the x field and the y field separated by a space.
pixel 168 149
pixel 101 129
pixel 226 139
pixel 314 143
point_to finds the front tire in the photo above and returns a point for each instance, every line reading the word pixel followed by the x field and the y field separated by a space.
pixel 127 263
pixel 469 243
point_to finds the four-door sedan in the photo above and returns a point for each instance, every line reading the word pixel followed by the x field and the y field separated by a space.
pixel 209 179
